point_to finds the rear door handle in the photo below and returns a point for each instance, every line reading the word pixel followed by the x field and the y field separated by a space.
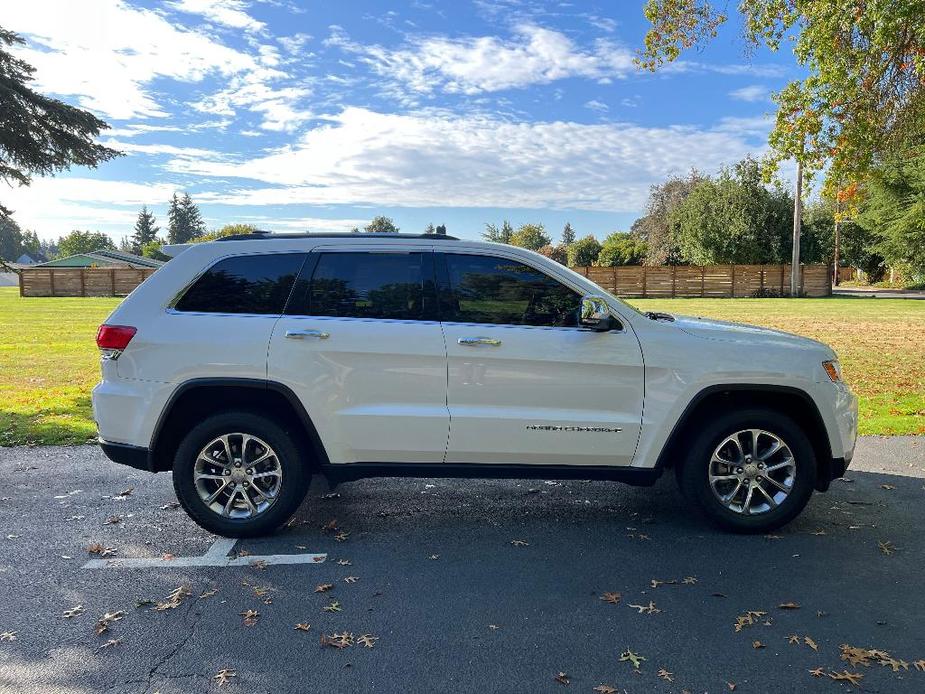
pixel 301 334
pixel 474 341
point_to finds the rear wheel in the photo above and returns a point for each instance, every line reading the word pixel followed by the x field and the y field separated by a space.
pixel 749 471
pixel 238 474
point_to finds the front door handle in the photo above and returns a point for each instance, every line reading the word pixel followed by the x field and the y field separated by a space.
pixel 300 334
pixel 474 341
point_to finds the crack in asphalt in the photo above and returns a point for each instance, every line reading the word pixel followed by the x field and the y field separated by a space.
pixel 176 649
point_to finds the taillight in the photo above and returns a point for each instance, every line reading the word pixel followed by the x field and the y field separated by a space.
pixel 112 339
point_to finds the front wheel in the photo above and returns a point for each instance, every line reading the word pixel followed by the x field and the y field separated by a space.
pixel 749 471
pixel 238 474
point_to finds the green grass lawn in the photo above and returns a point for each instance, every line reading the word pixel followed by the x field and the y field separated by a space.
pixel 49 361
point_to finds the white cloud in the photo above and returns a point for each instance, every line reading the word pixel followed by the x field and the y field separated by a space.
pixel 251 91
pixel 441 159
pixel 295 43
pixel 596 105
pixel 157 149
pixel 535 55
pixel 748 69
pixel 230 13
pixel 751 93
pixel 106 54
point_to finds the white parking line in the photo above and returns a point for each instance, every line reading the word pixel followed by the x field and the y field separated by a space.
pixel 217 555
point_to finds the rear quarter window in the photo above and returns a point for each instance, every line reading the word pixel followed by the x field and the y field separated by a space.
pixel 244 284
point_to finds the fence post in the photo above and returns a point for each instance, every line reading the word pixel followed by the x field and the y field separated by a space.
pixel 51 281
pixel 802 280
pixel 733 294
pixel 20 283
pixel 83 283
pixel 703 273
pixel 614 273
pixel 644 273
pixel 761 278
pixel 782 279
pixel 112 281
pixel 674 272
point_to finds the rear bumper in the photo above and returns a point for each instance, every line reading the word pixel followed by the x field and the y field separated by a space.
pixel 137 457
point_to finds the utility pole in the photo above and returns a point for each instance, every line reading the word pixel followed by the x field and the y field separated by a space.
pixel 797 220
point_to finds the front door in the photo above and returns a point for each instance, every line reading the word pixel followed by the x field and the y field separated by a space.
pixel 526 385
pixel 362 348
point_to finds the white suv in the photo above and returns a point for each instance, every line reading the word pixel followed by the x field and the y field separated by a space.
pixel 247 364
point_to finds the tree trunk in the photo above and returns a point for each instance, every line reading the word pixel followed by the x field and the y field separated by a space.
pixel 835 260
pixel 797 221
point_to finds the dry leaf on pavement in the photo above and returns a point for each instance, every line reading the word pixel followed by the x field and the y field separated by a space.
pixel 367 640
pixel 342 536
pixel 250 617
pixel 173 599
pixel 665 675
pixel 520 543
pixel 809 642
pixel 302 626
pixel 561 678
pixel 757 644
pixel 351 579
pixel 74 612
pixel 646 609
pixel 605 689
pixel 845 676
pixel 324 587
pixel 223 677
pixel 886 547
pixel 817 672
pixel 629 656
pixel 333 607
pixel 612 598
pixel 8 636
pixel 109 644
pixel 788 606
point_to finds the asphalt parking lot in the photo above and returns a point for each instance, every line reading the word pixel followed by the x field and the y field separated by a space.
pixel 458 586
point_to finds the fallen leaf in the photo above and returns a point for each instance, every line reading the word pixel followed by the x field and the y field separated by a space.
pixel 330 526
pixel 845 676
pixel 126 492
pixel 689 580
pixel 223 677
pixel 343 562
pixel 173 600
pixel 434 557
pixel 109 644
pixel 888 487
pixel 520 543
pixel 250 617
pixel 818 672
pixel 748 619
pixel 605 689
pixel 97 548
pixel 333 607
pixel 102 625
pixel 894 664
pixel 337 640
pixel 731 685
pixel 170 506
pixel 208 594
pixel 342 536
pixel 494 627
pixel 655 583
pixel 757 644
pixel 167 556
pixel 74 612
pixel 809 642
pixel 820 531
pixel 647 609
pixel 367 640
pixel 612 598
pixel 259 564
pixel 918 665
pixel 665 675
pixel 302 626
pixel 112 520
pixel 793 638
pixel 561 678
pixel 351 579
pixel 886 547
pixel 324 587
pixel 629 656
pixel 11 636
pixel 788 606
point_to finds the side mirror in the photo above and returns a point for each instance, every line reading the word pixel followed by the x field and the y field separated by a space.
pixel 594 314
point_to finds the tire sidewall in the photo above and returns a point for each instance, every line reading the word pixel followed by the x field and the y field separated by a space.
pixel 292 490
pixel 693 476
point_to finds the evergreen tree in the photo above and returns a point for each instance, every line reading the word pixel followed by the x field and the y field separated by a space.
pixel 429 229
pixel 568 234
pixel 494 234
pixel 39 135
pixel 184 222
pixel 441 230
pixel 145 230
pixel 174 220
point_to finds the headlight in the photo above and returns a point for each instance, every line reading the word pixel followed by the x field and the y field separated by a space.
pixel 833 369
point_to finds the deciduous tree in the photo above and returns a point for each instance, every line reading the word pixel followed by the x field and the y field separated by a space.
pixel 622 248
pixel 84 242
pixel 584 252
pixel 530 236
pixel 381 225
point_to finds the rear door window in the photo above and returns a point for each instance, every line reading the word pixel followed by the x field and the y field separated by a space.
pixel 392 286
pixel 244 284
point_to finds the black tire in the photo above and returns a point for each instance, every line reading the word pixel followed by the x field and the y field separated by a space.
pixel 293 484
pixel 693 473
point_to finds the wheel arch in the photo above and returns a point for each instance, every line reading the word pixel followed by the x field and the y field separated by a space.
pixel 793 402
pixel 201 397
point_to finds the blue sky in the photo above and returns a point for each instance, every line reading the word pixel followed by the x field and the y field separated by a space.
pixel 318 115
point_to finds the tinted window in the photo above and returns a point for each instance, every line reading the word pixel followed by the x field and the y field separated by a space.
pixel 244 284
pixel 368 285
pixel 485 289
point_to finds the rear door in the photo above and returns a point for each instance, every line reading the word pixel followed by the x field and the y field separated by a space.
pixel 361 346
pixel 526 385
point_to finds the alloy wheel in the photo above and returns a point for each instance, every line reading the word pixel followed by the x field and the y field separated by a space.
pixel 237 475
pixel 752 472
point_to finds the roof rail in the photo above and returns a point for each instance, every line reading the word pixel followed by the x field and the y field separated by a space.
pixel 265 235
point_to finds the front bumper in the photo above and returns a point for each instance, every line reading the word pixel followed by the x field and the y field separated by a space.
pixel 137 457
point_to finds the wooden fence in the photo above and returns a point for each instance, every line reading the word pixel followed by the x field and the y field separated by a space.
pixel 641 281
pixel 626 280
pixel 72 281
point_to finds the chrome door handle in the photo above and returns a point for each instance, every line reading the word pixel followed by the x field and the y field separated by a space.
pixel 473 341
pixel 299 334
